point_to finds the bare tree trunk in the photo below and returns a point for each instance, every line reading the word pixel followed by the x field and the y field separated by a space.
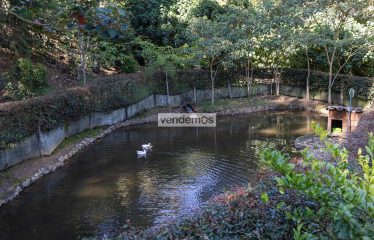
pixel 229 88
pixel 167 88
pixel 277 87
pixel 212 80
pixel 82 56
pixel 247 78
pixel 308 76
pixel 194 94
pixel 277 84
pixel 251 80
pixel 271 87
pixel 329 100
pixel 341 98
pixel 331 63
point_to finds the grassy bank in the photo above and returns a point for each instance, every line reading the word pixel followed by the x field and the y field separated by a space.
pixel 225 104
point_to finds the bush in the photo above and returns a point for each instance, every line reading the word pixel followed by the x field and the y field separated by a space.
pixel 30 80
pixel 22 119
pixel 345 197
pixel 364 86
pixel 126 63
pixel 111 55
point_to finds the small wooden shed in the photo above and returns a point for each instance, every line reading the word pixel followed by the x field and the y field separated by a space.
pixel 341 120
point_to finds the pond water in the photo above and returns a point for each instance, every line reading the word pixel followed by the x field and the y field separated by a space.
pixel 106 184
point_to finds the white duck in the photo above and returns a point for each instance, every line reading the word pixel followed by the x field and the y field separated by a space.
pixel 147 146
pixel 141 153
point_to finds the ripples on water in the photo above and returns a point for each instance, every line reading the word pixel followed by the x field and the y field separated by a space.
pixel 103 186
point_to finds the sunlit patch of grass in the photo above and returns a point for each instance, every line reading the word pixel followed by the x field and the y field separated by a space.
pixel 76 138
pixel 227 103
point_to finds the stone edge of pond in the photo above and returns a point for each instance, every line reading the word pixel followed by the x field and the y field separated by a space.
pixel 61 158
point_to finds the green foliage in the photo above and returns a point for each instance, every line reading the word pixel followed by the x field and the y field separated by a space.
pixel 209 9
pixel 110 55
pixel 162 21
pixel 127 64
pixel 345 198
pixel 30 80
pixel 264 197
pixel 22 119
pixel 319 82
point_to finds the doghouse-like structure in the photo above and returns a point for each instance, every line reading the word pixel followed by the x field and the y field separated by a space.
pixel 341 120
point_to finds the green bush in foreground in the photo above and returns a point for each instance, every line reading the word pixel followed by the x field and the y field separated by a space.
pixel 345 197
pixel 30 80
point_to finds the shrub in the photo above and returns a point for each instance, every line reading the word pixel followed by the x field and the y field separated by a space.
pixel 345 197
pixel 22 119
pixel 126 63
pixel 111 55
pixel 30 80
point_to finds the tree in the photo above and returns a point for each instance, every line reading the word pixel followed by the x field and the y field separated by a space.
pixel 279 20
pixel 343 30
pixel 210 45
pixel 99 20
pixel 42 20
pixel 304 37
pixel 161 59
pixel 245 38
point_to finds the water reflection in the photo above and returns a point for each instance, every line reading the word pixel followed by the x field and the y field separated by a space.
pixel 106 184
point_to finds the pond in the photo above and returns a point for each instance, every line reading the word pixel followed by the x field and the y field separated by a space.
pixel 106 184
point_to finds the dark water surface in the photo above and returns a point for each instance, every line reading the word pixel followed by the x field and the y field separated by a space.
pixel 106 184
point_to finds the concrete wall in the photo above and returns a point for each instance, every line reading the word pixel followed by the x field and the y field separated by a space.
pixel 49 141
pixel 141 106
pixel 320 96
pixel 239 92
pixel 99 119
pixel 44 143
pixel 27 148
pixel 77 126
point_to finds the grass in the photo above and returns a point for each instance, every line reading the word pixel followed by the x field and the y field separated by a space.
pixel 227 103
pixel 76 138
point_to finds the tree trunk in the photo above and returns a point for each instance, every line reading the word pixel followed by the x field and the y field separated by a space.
pixel 167 89
pixel 212 80
pixel 194 94
pixel 329 100
pixel 247 78
pixel 271 87
pixel 277 82
pixel 331 63
pixel 251 81
pixel 82 56
pixel 307 94
pixel 229 88
pixel 277 87
pixel 341 99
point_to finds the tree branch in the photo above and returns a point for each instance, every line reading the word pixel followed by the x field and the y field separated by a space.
pixel 29 21
pixel 341 67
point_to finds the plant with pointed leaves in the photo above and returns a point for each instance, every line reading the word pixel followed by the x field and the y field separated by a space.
pixel 344 197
